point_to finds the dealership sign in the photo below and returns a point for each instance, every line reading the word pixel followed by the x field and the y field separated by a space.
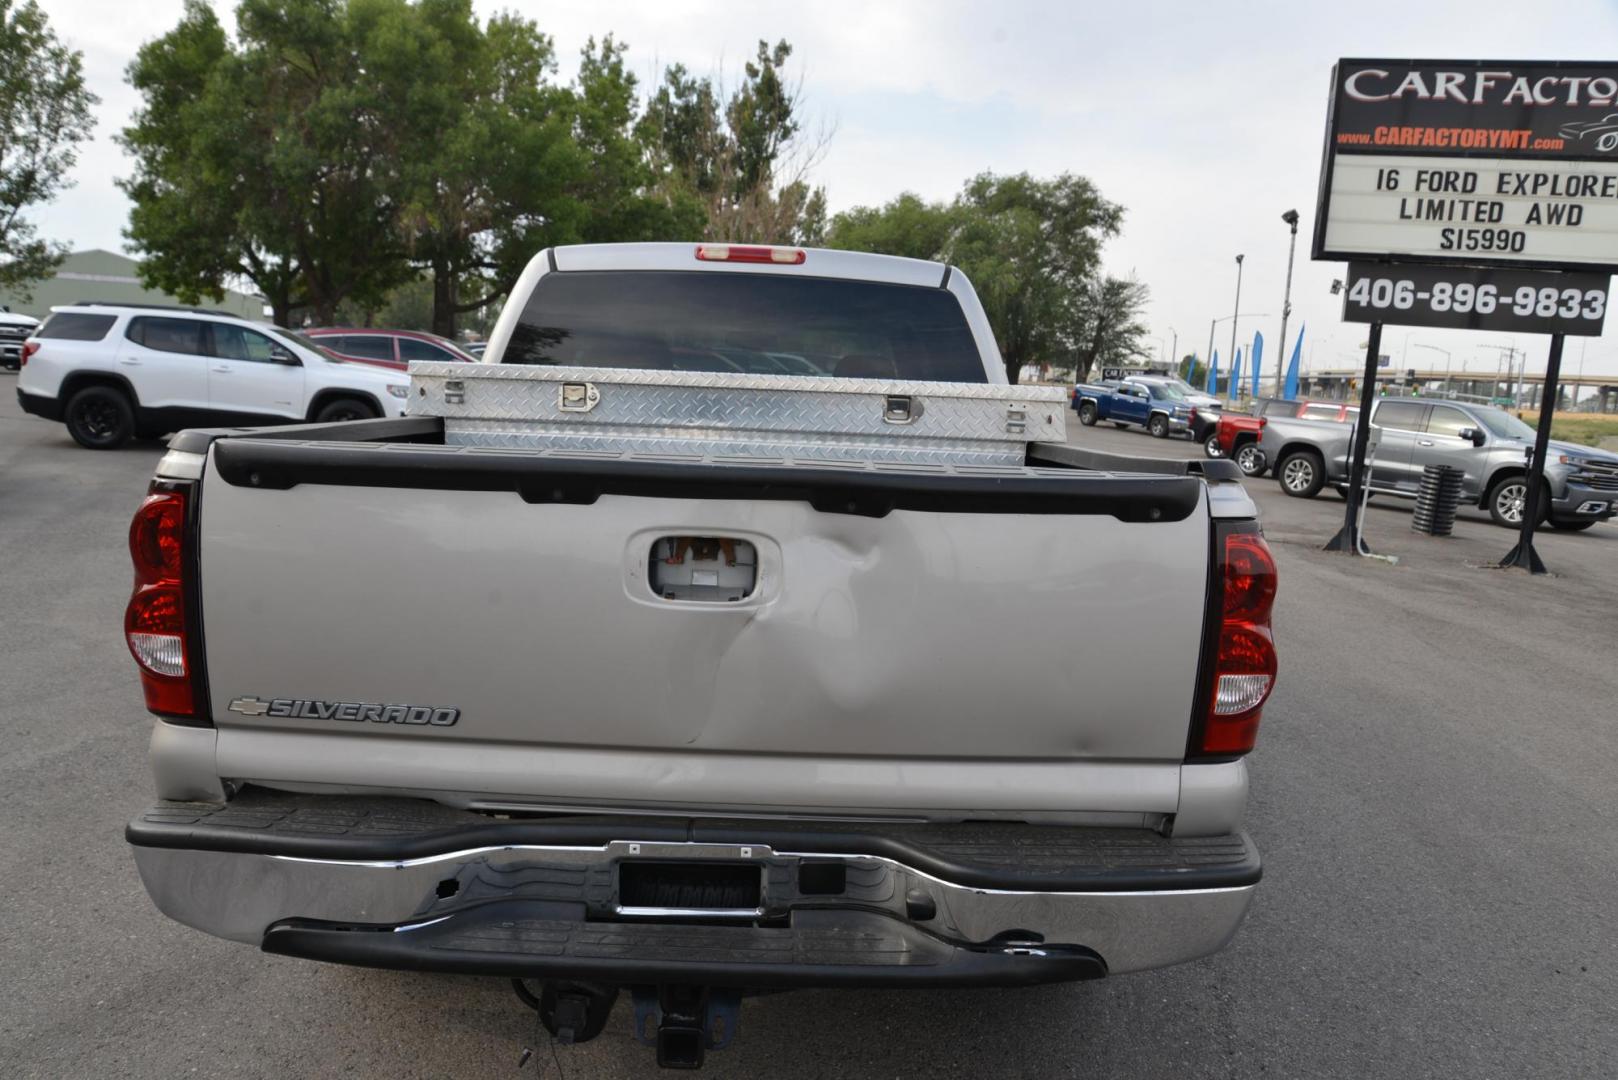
pixel 1471 162
pixel 1505 299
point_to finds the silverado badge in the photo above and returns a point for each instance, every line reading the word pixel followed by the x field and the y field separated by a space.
pixel 375 712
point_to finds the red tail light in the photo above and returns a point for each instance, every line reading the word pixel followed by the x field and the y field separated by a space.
pixel 1242 672
pixel 750 254
pixel 155 621
pixel 29 348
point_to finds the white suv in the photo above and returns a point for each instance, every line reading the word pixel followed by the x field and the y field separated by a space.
pixel 111 372
pixel 14 329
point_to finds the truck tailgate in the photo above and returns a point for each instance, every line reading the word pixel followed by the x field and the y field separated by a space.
pixel 487 583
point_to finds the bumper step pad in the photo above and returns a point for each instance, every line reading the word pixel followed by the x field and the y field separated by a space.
pixel 535 940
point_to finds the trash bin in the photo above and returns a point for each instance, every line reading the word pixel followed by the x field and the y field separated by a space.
pixel 1439 498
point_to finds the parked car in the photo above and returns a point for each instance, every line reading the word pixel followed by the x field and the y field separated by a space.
pixel 476 349
pixel 387 348
pixel 714 718
pixel 14 330
pixel 1151 404
pixel 1489 445
pixel 1237 434
pixel 112 372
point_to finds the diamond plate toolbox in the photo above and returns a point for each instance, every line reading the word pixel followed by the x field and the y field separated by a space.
pixel 617 410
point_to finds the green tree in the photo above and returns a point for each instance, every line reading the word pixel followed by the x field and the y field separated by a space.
pixel 746 160
pixel 908 227
pixel 1031 248
pixel 485 153
pixel 272 158
pixel 44 116
pixel 618 199
pixel 1113 332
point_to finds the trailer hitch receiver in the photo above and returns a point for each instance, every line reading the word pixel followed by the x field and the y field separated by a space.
pixel 684 1022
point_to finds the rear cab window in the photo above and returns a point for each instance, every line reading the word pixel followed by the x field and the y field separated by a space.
pixel 76 326
pixel 750 324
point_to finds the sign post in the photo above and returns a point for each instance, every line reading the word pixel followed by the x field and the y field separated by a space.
pixel 1347 539
pixel 1523 555
pixel 1477 195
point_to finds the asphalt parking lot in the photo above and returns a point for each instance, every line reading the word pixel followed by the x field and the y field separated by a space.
pixel 1432 794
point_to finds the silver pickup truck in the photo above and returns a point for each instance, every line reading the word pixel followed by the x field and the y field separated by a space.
pixel 1487 444
pixel 732 626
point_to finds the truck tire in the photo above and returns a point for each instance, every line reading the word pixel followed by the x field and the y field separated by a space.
pixel 1250 459
pixel 1211 447
pixel 1158 425
pixel 345 408
pixel 1507 499
pixel 1302 474
pixel 100 418
pixel 1087 413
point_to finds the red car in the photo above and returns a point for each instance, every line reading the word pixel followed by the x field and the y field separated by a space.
pixel 388 348
pixel 1236 436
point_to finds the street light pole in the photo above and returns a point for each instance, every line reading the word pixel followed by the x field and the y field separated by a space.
pixel 1435 348
pixel 1235 312
pixel 1291 218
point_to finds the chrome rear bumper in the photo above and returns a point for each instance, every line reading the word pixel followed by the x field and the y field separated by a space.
pixel 243 895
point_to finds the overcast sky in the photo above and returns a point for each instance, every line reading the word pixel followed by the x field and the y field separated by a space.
pixel 1204 120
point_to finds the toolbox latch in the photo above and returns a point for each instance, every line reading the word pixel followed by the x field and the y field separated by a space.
pixel 578 397
pixel 900 409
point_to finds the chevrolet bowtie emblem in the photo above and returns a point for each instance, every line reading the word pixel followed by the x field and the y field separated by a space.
pixel 250 706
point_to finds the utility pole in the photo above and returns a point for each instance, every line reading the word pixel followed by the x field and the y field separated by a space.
pixel 1507 358
pixel 1291 218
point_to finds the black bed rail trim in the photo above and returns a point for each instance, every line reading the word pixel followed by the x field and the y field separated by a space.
pixel 274 464
pixel 385 429
pixel 1213 470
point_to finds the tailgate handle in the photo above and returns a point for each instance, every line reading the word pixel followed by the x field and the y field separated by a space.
pixel 714 569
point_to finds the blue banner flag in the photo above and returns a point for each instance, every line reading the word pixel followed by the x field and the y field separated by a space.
pixel 1235 385
pixel 1258 359
pixel 1213 374
pixel 1291 391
